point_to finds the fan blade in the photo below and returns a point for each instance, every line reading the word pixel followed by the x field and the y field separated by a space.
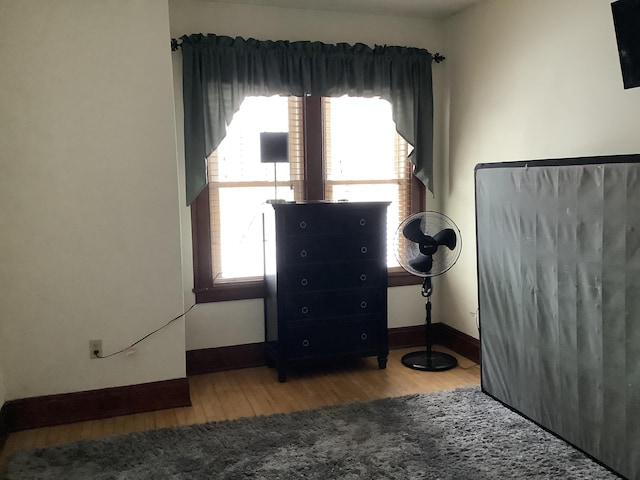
pixel 446 237
pixel 413 231
pixel 423 263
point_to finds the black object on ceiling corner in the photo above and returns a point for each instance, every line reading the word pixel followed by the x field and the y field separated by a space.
pixel 626 20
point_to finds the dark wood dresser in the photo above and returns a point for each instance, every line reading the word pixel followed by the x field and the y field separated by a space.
pixel 325 281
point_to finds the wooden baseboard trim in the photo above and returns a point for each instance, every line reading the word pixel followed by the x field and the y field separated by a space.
pixel 405 337
pixel 210 360
pixel 457 341
pixel 45 411
pixel 4 424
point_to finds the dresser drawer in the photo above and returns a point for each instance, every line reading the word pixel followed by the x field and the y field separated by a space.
pixel 367 335
pixel 327 339
pixel 309 306
pixel 335 248
pixel 323 218
pixel 331 276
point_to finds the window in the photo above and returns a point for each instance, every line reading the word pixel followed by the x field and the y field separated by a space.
pixel 365 158
pixel 339 149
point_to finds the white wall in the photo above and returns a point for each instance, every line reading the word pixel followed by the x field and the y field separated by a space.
pixel 90 242
pixel 231 323
pixel 528 80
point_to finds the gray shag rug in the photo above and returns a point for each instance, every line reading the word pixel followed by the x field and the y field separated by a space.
pixel 460 434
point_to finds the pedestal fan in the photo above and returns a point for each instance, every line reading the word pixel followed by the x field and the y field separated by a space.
pixel 428 244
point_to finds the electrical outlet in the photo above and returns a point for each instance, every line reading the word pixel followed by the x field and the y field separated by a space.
pixel 95 346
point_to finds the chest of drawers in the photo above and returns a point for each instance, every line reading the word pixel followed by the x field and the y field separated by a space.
pixel 325 281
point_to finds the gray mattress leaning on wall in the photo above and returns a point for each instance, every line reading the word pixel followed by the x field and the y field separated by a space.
pixel 558 245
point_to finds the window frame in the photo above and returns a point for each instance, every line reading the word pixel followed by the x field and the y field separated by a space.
pixel 204 288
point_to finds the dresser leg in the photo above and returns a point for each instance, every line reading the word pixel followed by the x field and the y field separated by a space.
pixel 382 362
pixel 282 375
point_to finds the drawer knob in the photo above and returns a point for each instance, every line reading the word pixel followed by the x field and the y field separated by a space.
pixel 363 277
pixel 364 336
pixel 305 343
pixel 304 282
pixel 363 304
pixel 363 222
pixel 303 224
pixel 305 310
pixel 303 253
pixel 363 250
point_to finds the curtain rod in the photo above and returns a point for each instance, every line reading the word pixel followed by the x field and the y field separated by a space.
pixel 175 45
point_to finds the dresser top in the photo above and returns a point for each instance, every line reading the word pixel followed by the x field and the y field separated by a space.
pixel 330 202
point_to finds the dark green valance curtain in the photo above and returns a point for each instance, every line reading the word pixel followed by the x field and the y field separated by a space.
pixel 219 72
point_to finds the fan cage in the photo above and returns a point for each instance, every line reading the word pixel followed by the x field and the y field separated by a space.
pixel 430 224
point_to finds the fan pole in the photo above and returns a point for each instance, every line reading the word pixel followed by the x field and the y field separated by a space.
pixel 426 292
pixel 429 361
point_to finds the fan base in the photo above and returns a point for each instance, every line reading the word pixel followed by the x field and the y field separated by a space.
pixel 433 362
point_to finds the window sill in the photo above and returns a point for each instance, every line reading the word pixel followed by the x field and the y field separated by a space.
pixel 224 292
pixel 399 277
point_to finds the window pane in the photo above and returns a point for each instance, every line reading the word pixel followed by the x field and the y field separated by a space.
pixel 241 229
pixel 239 184
pixel 366 159
pixel 362 139
pixel 239 152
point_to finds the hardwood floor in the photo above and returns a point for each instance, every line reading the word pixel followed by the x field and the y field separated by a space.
pixel 256 391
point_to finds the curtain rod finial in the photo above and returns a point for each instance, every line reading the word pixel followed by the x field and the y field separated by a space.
pixel 175 44
pixel 438 58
